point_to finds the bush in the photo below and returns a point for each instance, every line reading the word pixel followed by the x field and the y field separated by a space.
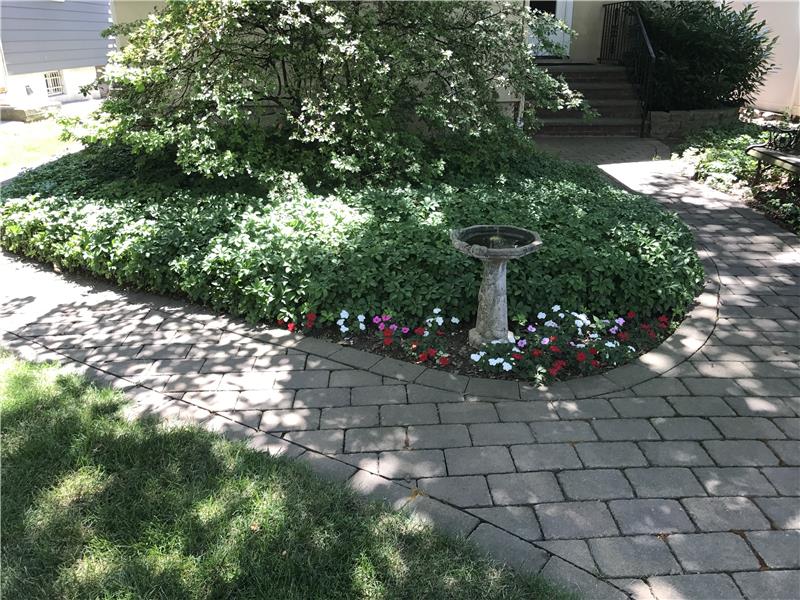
pixel 719 159
pixel 286 251
pixel 707 53
pixel 346 90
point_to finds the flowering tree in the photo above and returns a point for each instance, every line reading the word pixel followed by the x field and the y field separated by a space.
pixel 336 88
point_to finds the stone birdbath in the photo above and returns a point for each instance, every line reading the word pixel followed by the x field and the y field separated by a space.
pixel 494 245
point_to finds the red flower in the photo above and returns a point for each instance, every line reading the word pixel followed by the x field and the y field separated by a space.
pixel 580 356
pixel 652 334
pixel 555 349
pixel 662 325
pixel 536 353
pixel 623 335
pixel 423 356
pixel 631 314
pixel 290 326
pixel 431 352
pixel 516 355
pixel 593 351
pixel 645 326
pixel 552 338
pixel 663 319
pixel 311 316
pixel 444 361
pixel 553 371
pixel 419 330
pixel 281 322
pixel 387 333
pixel 387 341
pixel 439 332
pixel 595 363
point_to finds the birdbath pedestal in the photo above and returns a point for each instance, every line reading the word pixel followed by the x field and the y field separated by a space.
pixel 494 245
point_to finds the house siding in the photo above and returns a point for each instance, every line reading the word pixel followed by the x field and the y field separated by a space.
pixel 50 35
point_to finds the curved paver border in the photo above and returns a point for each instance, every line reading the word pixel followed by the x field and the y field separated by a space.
pixel 496 542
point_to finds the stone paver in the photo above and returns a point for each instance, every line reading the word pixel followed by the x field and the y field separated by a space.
pixel 699 464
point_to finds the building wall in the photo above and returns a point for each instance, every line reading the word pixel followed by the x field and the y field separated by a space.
pixel 587 21
pixel 73 79
pixel 781 89
pixel 48 35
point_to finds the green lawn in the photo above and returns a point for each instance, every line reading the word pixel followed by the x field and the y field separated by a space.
pixel 29 144
pixel 94 506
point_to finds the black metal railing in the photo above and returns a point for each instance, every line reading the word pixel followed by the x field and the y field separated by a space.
pixel 625 41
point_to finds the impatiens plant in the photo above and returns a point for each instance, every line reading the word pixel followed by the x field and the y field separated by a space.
pixel 338 89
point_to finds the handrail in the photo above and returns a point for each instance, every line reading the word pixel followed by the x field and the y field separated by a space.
pixel 625 41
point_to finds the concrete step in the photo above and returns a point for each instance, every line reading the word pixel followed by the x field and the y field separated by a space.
pixel 606 90
pixel 599 127
pixel 620 109
pixel 580 73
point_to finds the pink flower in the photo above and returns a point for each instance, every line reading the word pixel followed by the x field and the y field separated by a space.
pixel 405 329
pixel 381 326
pixel 376 319
pixel 385 318
pixel 393 326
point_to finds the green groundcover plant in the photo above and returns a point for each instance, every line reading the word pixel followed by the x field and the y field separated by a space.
pixel 339 91
pixel 98 507
pixel 285 251
pixel 718 157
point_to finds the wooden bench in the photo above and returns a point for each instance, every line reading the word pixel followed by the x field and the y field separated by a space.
pixel 781 150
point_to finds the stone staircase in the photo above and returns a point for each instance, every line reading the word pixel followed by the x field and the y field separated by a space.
pixel 607 90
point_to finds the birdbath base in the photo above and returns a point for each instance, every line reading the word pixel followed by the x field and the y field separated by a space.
pixel 492 322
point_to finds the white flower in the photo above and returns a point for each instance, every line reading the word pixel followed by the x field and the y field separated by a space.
pixel 360 318
pixel 580 345
pixel 361 326
pixel 455 320
pixel 428 322
pixel 556 307
pixel 340 322
pixel 507 366
pixel 439 321
pixel 495 361
pixel 436 311
pixel 612 344
pixel 541 315
pixel 560 315
pixel 426 333
pixel 594 336
pixel 631 348
pixel 344 314
pixel 578 323
pixel 550 324
pixel 343 328
pixel 477 356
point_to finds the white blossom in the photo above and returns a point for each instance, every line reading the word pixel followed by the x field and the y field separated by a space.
pixel 344 314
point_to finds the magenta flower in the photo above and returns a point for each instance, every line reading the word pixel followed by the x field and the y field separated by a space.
pixel 385 318
pixel 376 319
pixel 522 343
pixel 405 330
pixel 393 326
pixel 381 326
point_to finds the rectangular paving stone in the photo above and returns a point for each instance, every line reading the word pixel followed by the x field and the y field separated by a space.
pixel 460 491
pixel 500 434
pixel 434 513
pixel 438 436
pixel 789 426
pixel 610 454
pixel 685 428
pixel 411 464
pixel 661 386
pixel 574 551
pixel 778 549
pixel 787 450
pixel 294 380
pixel 769 584
pixel 526 411
pixel 633 556
pixel 290 362
pixel 329 441
pixel 399 369
pixel 215 401
pixel 650 516
pixel 734 481
pixel 544 457
pixel 248 418
pixel 409 414
pixel 156 351
pixel 349 416
pixel 172 366
pixel 373 439
pixel 444 381
pixel 785 479
pixel 578 581
pixel 708 386
pixel 524 488
pixel 322 397
pixel 504 547
pixel 768 387
pixel 421 394
pixel 678 454
pixel 784 513
pixel 251 380
pixel 355 358
pixel 592 408
pixel 378 394
pixel 468 412
pixel 570 520
pixel 562 431
pixel 725 514
pixel 642 407
pixel 495 388
pixel 752 406
pixel 747 428
pixel 594 484
pixel 712 552
pixel 191 383
pixel 741 453
pixel 701 406
pixel 700 585
pixel 354 378
pixel 478 461
pixel 519 520
pixel 290 419
pixel 367 461
pixel 226 363
pixel 664 482
pixel 625 429
pixel 380 489
pixel 726 369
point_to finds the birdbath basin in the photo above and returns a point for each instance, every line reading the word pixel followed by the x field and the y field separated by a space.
pixel 494 245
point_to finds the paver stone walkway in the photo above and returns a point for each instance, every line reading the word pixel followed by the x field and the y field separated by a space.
pixel 685 485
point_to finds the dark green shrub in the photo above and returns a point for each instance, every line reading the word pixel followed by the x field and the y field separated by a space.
pixel 286 251
pixel 707 53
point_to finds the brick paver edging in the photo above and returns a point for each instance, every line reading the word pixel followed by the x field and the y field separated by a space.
pixel 498 543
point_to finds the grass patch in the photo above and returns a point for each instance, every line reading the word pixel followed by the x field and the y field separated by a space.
pixel 98 507
pixel 27 144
